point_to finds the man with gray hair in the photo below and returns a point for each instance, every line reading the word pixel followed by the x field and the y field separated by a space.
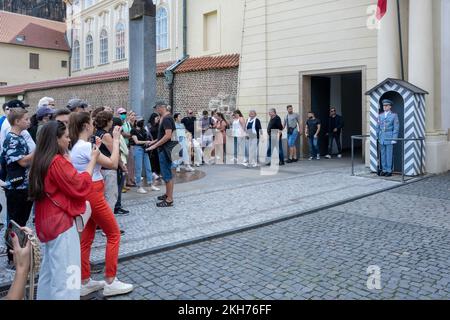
pixel 275 124
pixel 77 105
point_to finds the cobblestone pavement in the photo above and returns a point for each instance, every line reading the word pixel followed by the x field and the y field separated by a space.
pixel 324 255
pixel 232 197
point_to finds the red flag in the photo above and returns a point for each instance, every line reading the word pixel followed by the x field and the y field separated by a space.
pixel 381 8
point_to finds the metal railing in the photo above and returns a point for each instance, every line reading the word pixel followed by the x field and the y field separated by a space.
pixel 403 140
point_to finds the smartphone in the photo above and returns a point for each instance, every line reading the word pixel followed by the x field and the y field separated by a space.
pixel 93 142
pixel 21 235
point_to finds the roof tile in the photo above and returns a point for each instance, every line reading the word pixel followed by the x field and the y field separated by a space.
pixel 190 65
pixel 36 32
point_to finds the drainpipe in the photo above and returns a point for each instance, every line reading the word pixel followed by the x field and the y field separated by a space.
pixel 169 73
pixel 184 28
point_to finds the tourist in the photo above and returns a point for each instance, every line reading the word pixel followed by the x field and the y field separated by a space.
pixel 238 131
pixel 312 130
pixel 81 130
pixel 60 195
pixel 275 125
pixel 17 158
pixel 293 127
pixel 185 155
pixel 164 145
pixel 140 140
pixel 253 129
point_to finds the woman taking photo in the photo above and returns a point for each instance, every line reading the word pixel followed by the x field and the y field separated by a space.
pixel 60 193
pixel 103 124
pixel 81 130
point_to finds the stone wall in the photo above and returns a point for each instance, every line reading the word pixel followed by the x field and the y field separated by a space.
pixel 204 90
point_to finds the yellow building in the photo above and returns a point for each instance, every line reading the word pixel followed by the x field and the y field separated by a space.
pixel 31 49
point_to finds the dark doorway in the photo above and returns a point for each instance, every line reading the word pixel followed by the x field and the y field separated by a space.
pixel 397 108
pixel 344 92
pixel 320 103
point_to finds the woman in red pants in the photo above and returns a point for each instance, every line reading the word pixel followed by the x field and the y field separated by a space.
pixel 81 130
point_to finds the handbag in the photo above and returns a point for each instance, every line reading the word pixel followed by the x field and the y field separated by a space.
pixel 290 130
pixel 81 220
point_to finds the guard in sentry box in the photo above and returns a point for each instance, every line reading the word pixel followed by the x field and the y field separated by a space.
pixel 387 128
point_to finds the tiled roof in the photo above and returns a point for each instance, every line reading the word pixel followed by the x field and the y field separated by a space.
pixel 209 63
pixel 190 65
pixel 34 32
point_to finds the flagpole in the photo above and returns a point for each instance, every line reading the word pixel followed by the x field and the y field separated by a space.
pixel 400 39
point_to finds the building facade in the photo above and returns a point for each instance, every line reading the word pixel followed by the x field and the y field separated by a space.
pixel 31 49
pixel 45 9
pixel 313 54
pixel 98 31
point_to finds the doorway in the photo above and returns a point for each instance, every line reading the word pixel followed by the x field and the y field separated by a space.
pixel 342 91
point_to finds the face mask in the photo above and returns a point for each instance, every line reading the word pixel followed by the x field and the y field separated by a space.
pixel 123 116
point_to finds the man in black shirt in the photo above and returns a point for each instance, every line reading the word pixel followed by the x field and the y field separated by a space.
pixel 312 130
pixel 165 144
pixel 189 122
pixel 276 125
pixel 335 125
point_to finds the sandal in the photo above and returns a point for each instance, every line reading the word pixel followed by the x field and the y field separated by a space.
pixel 163 197
pixel 164 204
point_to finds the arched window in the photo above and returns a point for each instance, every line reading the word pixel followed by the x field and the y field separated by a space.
pixel 120 41
pixel 89 52
pixel 162 29
pixel 103 47
pixel 76 55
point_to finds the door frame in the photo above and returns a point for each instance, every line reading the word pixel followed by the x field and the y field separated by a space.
pixel 304 99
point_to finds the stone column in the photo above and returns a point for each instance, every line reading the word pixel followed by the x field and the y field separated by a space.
pixel 421 73
pixel 389 45
pixel 142 57
pixel 421 53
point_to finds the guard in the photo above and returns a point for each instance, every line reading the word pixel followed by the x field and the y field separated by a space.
pixel 387 128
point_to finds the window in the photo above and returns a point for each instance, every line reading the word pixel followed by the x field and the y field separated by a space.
pixel 210 32
pixel 3 84
pixel 88 3
pixel 120 41
pixel 89 52
pixel 76 55
pixel 103 47
pixel 63 64
pixel 162 27
pixel 34 61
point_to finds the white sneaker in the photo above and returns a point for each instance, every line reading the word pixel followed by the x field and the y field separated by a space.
pixel 189 168
pixel 254 165
pixel 318 158
pixel 91 286
pixel 328 156
pixel 117 287
pixel 339 156
pixel 178 169
pixel 197 164
pixel 310 158
pixel 153 188
pixel 141 190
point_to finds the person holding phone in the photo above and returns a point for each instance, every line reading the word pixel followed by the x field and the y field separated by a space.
pixel 17 157
pixel 22 260
pixel 60 194
pixel 81 129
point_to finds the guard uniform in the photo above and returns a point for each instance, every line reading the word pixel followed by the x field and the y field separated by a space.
pixel 387 128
